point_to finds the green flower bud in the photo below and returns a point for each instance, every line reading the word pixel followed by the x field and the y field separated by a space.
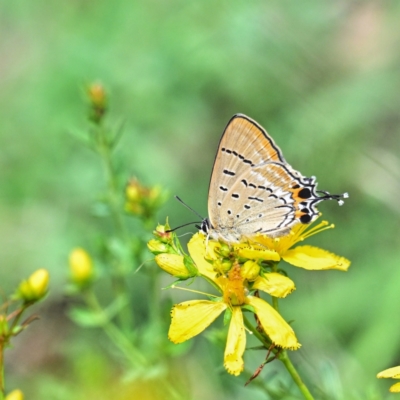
pixel 157 247
pixel 224 250
pixel 222 266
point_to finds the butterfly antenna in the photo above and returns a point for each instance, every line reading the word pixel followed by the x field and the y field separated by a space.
pixel 181 226
pixel 189 223
pixel 338 197
pixel 189 208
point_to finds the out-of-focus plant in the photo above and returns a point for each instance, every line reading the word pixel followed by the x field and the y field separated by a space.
pixel 28 293
pixel 118 256
pixel 15 395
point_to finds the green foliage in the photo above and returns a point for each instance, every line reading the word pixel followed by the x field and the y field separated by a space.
pixel 320 76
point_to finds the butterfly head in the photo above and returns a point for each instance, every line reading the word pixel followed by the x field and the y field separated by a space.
pixel 205 226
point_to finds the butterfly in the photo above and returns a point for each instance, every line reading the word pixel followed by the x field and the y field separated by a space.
pixel 253 190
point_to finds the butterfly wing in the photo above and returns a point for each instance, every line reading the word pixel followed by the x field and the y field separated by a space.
pixel 252 188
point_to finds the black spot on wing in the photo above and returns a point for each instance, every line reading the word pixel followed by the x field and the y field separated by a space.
pixel 305 193
pixel 256 199
pixel 305 219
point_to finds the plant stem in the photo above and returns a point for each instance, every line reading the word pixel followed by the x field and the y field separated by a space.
pixel 113 332
pixel 2 386
pixel 119 282
pixel 283 356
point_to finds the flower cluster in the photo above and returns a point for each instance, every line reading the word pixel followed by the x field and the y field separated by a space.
pixel 238 271
pixel 141 200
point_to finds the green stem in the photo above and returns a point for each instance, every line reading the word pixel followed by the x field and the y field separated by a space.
pixel 115 334
pixel 283 356
pixel 2 385
pixel 18 314
pixel 113 189
pixel 120 286
pixel 275 303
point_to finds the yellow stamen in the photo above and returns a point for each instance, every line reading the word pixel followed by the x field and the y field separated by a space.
pixel 234 292
pixel 323 226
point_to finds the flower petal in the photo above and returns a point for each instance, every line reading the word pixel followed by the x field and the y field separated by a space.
pixel 254 252
pixel 314 258
pixel 235 344
pixel 395 388
pixel 278 330
pixel 390 373
pixel 190 318
pixel 275 284
pixel 197 248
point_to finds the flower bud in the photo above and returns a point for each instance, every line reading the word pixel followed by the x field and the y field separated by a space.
pixel 162 233
pixel 158 247
pixel 222 266
pixel 81 266
pixel 155 193
pixel 97 95
pixel 250 270
pixel 134 191
pixel 35 287
pixel 98 102
pixel 224 250
pixel 174 265
pixel 15 395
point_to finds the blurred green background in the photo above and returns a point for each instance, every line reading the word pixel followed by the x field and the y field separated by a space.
pixel 322 77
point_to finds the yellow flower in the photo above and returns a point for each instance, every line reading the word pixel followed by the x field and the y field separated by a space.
pixel 191 317
pixel 307 257
pixel 81 266
pixel 391 373
pixel 35 287
pixel 15 395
